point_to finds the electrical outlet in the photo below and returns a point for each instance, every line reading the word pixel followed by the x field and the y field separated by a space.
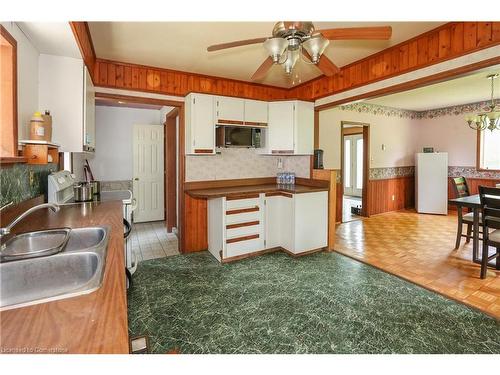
pixel 393 197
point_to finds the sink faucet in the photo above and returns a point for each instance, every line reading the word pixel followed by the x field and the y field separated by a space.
pixel 6 230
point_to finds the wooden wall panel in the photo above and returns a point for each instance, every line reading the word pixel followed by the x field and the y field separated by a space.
pixel 448 41
pixel 195 224
pixel 170 82
pixel 381 192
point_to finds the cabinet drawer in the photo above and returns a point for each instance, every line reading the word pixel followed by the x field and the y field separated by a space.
pixel 244 247
pixel 243 217
pixel 247 202
pixel 243 230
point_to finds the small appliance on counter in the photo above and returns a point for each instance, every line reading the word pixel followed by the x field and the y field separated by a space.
pixel 318 159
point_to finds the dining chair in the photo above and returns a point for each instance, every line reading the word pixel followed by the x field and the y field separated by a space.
pixel 461 189
pixel 490 202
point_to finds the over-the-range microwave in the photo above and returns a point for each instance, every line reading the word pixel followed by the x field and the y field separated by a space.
pixel 238 136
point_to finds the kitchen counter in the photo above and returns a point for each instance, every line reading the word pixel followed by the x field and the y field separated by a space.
pixel 219 192
pixel 92 323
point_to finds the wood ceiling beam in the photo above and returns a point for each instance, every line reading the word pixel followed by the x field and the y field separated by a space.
pixel 84 40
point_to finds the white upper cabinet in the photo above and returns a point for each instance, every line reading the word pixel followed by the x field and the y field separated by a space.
pixel 200 124
pixel 229 110
pixel 256 112
pixel 89 110
pixel 304 128
pixel 290 128
pixel 280 137
pixel 66 90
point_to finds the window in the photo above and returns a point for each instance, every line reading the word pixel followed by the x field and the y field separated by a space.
pixel 489 150
pixel 8 94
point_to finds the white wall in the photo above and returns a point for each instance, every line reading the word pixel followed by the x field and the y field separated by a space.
pixel 27 78
pixel 113 158
pixel 399 136
pixel 449 134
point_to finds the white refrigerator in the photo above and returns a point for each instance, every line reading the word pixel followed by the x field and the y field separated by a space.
pixel 431 183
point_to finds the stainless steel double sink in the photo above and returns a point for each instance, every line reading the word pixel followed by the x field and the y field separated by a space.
pixel 77 269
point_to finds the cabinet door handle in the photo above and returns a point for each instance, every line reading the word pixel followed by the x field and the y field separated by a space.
pixel 136 179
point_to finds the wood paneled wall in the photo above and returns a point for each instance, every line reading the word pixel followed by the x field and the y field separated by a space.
pixel 195 224
pixel 172 82
pixel 448 41
pixel 84 40
pixel 381 192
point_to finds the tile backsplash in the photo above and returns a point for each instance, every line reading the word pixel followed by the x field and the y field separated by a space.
pixel 15 184
pixel 233 163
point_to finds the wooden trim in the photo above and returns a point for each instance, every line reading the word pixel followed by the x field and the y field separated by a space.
pixel 233 122
pixel 142 100
pixel 12 41
pixel 144 78
pixel 352 131
pixel 83 38
pixel 194 185
pixel 242 196
pixel 203 151
pixel 279 194
pixel 312 182
pixel 254 123
pixel 241 225
pixel 282 152
pixel 416 83
pixel 242 210
pixel 243 238
pixel 316 129
pixel 173 113
pixel 170 174
pixel 329 175
pixel 12 160
pixel 249 255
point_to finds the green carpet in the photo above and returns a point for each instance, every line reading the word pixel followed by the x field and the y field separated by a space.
pixel 321 303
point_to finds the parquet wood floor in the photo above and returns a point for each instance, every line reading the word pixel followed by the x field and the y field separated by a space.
pixel 420 248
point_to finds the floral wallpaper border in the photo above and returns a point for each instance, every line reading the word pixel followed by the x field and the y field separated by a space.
pixel 381 110
pixel 391 172
pixel 472 172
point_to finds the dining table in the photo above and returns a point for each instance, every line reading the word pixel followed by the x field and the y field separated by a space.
pixel 472 202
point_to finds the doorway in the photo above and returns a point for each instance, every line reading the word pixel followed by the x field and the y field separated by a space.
pixel 354 169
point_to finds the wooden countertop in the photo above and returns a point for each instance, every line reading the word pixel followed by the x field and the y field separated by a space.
pixel 92 323
pixel 218 192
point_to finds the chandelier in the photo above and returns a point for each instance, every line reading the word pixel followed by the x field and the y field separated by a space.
pixel 487 120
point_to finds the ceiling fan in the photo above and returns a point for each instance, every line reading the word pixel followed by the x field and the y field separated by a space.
pixel 293 40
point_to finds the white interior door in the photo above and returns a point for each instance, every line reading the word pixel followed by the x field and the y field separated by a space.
pixel 148 173
pixel 353 165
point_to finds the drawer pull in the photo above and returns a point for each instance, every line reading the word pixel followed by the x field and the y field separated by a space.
pixel 239 225
pixel 244 238
pixel 242 210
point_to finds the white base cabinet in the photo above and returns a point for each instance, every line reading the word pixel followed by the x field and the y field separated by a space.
pixel 297 223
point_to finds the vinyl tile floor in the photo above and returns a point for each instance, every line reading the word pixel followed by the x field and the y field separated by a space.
pixel 151 240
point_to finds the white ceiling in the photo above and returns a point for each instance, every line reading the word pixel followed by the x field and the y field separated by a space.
pixel 467 89
pixel 53 38
pixel 182 46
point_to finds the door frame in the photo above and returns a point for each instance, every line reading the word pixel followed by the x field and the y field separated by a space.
pixel 365 199
pixel 171 164
pixel 128 99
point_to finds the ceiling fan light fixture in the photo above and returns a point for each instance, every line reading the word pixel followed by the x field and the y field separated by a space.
pixel 315 46
pixel 275 47
pixel 291 60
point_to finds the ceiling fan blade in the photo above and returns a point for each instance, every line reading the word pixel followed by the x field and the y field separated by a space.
pixel 374 33
pixel 263 69
pixel 325 64
pixel 238 43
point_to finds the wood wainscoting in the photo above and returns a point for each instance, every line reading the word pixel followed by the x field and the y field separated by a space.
pixel 473 183
pixel 383 191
